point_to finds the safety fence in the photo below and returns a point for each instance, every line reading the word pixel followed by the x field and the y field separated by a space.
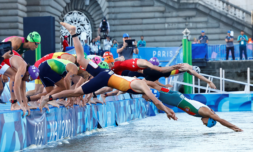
pixel 58 124
pixel 218 52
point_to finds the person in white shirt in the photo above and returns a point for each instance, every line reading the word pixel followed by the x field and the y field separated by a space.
pixel 107 45
pixel 93 47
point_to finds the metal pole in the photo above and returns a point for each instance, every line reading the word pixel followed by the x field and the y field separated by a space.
pixel 248 79
pixel 193 83
pixel 223 71
pixel 198 85
pixel 220 79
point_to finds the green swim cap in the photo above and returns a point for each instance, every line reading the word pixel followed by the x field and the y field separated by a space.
pixel 103 65
pixel 34 37
pixel 85 55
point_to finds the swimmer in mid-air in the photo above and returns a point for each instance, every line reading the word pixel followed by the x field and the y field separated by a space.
pixel 192 107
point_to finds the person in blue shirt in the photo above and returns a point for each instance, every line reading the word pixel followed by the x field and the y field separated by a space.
pixel 86 47
pixel 230 45
pixel 142 42
pixel 243 39
pixel 114 43
pixel 203 38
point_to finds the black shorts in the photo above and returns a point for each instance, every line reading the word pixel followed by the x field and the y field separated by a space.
pixel 132 74
pixel 94 69
pixel 48 77
pixel 99 81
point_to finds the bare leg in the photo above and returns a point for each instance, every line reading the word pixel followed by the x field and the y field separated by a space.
pixel 66 93
pixel 38 89
pixel 77 44
pixel 103 90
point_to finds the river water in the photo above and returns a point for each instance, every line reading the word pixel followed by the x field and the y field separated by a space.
pixel 159 134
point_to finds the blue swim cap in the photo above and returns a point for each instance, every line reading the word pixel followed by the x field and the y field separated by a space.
pixel 211 123
pixel 125 35
pixel 155 92
pixel 228 31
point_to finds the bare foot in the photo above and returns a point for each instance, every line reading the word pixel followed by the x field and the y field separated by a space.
pixel 54 103
pixel 62 102
pixel 97 101
pixel 92 101
pixel 103 98
pixel 33 105
pixel 15 106
pixel 43 102
pixel 70 28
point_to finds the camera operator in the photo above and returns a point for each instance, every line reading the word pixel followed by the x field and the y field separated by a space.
pixel 104 26
pixel 125 50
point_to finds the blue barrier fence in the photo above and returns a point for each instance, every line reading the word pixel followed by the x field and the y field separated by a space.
pixel 222 102
pixel 38 129
pixel 218 52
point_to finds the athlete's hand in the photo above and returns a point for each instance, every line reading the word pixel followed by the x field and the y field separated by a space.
pixel 23 108
pixel 168 85
pixel 7 55
pixel 211 85
pixel 178 66
pixel 173 115
pixel 236 129
pixel 27 107
pixel 184 67
pixel 5 78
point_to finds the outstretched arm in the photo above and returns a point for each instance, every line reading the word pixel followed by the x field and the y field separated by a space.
pixel 205 112
pixel 210 83
pixel 141 87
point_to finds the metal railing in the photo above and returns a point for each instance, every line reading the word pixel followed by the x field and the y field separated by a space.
pixel 218 52
pixel 207 89
pixel 223 6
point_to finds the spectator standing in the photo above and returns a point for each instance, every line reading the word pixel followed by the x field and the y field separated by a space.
pixel 93 47
pixel 243 39
pixel 230 45
pixel 142 42
pixel 203 38
pixel 127 51
pixel 98 44
pixel 107 45
pixel 114 44
pixel 86 47
pixel 65 43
